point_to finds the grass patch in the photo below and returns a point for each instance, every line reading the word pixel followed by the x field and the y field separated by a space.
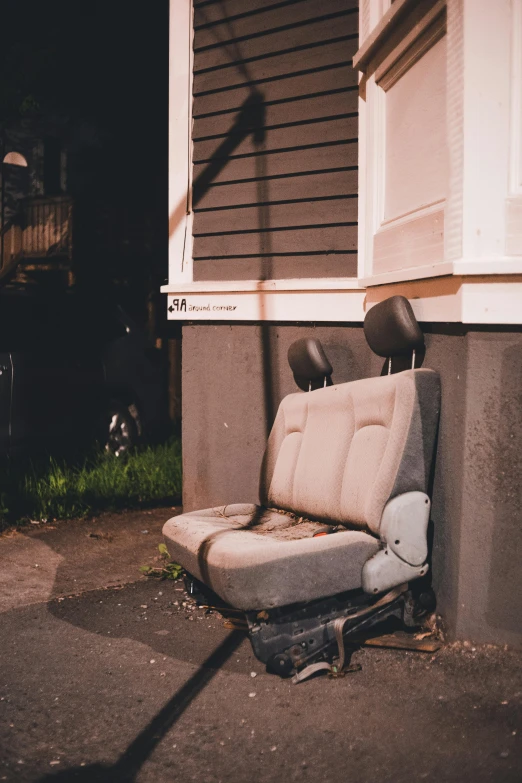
pixel 57 490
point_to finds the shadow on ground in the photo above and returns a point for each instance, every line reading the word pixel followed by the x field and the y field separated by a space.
pixel 127 684
pixel 140 749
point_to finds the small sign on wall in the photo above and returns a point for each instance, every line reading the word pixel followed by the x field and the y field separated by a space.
pixel 181 307
pixel 314 306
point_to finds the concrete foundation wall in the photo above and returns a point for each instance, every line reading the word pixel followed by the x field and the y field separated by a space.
pixel 234 377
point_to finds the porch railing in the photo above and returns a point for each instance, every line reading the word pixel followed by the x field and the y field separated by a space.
pixel 41 230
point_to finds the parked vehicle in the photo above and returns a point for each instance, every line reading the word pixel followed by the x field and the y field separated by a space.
pixel 74 371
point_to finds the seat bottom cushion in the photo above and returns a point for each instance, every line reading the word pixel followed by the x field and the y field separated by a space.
pixel 257 558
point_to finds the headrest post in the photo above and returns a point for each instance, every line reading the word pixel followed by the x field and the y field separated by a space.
pixel 389 365
pixel 324 384
pixel 309 386
pixel 413 360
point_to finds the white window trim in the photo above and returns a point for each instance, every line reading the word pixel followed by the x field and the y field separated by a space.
pixel 245 286
pixel 180 140
pixel 450 299
pixel 514 200
pixel 471 252
pixel 378 238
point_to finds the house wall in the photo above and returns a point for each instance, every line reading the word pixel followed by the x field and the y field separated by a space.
pixel 275 140
pixel 275 197
pixel 234 377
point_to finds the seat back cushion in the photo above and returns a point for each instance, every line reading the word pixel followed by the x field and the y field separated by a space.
pixel 340 453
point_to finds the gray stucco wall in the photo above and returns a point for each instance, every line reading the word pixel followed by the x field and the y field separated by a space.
pixel 234 377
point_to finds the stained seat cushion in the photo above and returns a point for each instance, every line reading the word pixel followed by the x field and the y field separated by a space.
pixel 258 558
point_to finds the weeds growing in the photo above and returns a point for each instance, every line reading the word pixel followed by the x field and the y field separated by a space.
pixel 167 570
pixel 57 490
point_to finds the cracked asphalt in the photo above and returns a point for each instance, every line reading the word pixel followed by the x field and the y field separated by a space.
pixel 108 676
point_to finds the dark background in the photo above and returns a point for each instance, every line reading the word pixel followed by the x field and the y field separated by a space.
pixel 95 76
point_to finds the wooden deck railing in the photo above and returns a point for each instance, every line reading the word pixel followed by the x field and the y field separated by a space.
pixel 41 230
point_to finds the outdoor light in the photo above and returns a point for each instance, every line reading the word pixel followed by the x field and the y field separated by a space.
pixel 15 159
pixel 10 159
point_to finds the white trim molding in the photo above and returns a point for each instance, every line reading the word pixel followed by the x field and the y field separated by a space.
pixel 376 25
pixel 481 299
pixel 422 36
pixel 267 304
pixel 333 300
pixel 180 140
pixel 398 244
pixel 515 146
pixel 421 272
pixel 467 300
pixel 248 286
pixel 514 201
pixel 401 221
pixel 514 226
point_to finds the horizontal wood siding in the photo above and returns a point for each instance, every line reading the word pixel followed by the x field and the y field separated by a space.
pixel 275 139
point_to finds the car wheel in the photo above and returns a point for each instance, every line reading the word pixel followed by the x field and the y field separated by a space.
pixel 122 432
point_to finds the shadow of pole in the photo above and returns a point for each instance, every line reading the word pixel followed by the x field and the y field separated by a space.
pixel 207 543
pixel 250 115
pixel 250 119
pixel 141 748
pixel 267 344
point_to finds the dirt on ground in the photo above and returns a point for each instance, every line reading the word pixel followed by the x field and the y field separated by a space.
pixel 63 557
pixel 106 675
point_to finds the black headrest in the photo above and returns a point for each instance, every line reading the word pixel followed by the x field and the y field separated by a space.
pixel 308 362
pixel 391 328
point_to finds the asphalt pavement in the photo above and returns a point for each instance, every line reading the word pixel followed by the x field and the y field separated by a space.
pixel 106 675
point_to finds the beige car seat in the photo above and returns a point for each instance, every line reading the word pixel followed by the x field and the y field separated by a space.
pixel 355 457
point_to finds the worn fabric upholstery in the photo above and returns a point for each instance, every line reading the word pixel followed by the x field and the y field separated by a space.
pixel 256 558
pixel 335 455
pixel 339 454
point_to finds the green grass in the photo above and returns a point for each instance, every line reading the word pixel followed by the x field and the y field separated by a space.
pixel 57 490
